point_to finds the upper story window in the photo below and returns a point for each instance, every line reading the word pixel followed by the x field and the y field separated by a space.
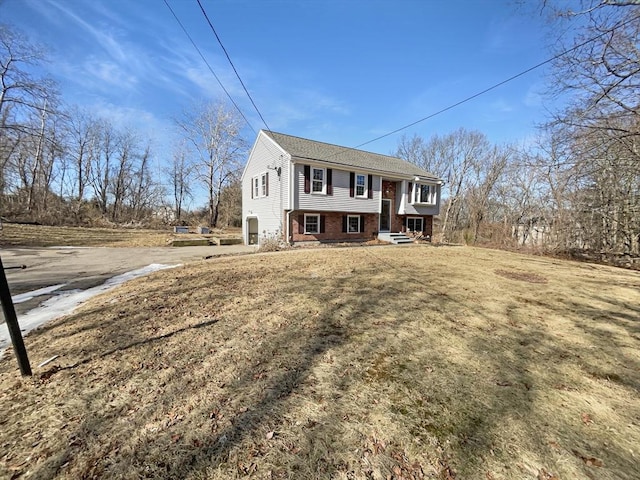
pixel 361 185
pixel 317 183
pixel 260 185
pixel 424 193
pixel 263 185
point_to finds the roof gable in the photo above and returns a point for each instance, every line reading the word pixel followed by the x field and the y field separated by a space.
pixel 303 148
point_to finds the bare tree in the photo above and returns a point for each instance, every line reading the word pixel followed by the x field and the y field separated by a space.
pixel 145 192
pixel 103 155
pixel 180 173
pixel 20 92
pixel 83 136
pixel 231 204
pixel 122 179
pixel 424 154
pixel 487 171
pixel 213 132
pixel 598 131
pixel 23 98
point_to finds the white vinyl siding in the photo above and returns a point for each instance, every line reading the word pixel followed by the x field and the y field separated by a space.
pixel 269 202
pixel 410 208
pixel 339 200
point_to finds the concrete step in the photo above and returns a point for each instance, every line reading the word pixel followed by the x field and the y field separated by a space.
pixel 395 238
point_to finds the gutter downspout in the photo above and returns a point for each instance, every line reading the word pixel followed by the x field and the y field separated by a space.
pixel 290 167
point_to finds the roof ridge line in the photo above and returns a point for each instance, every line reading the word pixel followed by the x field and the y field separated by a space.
pixel 334 145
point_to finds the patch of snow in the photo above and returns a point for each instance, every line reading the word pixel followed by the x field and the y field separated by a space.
pixel 66 301
pixel 23 297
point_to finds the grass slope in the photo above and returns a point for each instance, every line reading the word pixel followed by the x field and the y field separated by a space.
pixel 360 363
pixel 14 235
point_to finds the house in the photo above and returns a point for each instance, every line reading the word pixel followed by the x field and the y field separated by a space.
pixel 301 190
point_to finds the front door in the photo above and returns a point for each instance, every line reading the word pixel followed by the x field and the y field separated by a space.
pixel 385 216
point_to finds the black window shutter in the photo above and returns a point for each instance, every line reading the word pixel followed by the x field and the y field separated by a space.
pixel 344 223
pixel 307 179
pixel 410 193
pixel 321 223
pixel 370 187
pixel 252 186
pixel 266 180
pixel 329 181
pixel 352 183
pixel 301 223
pixel 361 223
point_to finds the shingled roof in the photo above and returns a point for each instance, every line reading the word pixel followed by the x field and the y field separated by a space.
pixel 305 149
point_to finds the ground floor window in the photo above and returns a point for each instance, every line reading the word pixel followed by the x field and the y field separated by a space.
pixel 353 223
pixel 311 224
pixel 415 224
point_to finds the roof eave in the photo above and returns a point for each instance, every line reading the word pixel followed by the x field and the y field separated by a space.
pixel 404 176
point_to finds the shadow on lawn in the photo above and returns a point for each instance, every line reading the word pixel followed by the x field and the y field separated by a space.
pixel 124 348
pixel 465 414
pixel 287 354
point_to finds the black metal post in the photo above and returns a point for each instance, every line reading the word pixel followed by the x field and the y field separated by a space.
pixel 12 323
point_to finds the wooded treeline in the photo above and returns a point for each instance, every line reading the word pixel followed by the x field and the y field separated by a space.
pixel 577 189
pixel 60 164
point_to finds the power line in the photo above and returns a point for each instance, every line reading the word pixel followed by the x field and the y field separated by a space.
pixel 499 84
pixel 232 65
pixel 209 66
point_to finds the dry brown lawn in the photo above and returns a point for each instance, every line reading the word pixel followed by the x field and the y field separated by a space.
pixel 14 235
pixel 358 363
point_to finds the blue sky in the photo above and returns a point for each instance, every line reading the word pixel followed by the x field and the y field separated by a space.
pixel 343 72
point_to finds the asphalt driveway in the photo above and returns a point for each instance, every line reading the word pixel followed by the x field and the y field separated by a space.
pixel 82 268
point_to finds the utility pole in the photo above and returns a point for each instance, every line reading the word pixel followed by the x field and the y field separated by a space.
pixel 12 323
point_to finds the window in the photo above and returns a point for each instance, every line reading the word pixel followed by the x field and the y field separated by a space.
pixel 424 193
pixel 361 187
pixel 311 224
pixel 263 182
pixel 353 223
pixel 317 184
pixel 256 191
pixel 415 224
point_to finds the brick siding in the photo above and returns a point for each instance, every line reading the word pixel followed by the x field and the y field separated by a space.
pixel 333 227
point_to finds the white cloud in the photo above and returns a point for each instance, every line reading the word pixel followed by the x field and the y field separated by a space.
pixel 302 105
pixel 104 38
pixel 501 106
pixel 533 97
pixel 105 75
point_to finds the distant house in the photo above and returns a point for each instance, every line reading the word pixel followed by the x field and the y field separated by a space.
pixel 301 190
pixel 533 231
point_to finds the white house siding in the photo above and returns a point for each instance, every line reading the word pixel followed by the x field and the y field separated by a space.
pixel 413 209
pixel 340 201
pixel 265 157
